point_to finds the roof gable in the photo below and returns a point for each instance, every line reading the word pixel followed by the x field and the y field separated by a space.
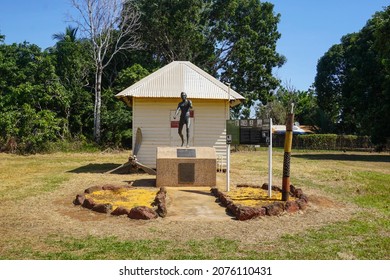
pixel 170 80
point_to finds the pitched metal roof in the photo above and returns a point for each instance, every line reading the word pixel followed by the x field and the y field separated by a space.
pixel 170 80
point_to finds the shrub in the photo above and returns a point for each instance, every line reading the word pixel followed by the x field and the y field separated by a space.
pixel 326 142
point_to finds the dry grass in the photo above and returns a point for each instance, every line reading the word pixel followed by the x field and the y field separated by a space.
pixel 38 216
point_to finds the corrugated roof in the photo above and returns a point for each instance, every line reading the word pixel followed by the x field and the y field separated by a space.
pixel 170 80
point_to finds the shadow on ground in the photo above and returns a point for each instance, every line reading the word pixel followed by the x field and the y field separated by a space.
pixel 95 168
pixel 142 183
pixel 345 157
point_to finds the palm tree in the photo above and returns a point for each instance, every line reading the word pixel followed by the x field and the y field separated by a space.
pixel 68 36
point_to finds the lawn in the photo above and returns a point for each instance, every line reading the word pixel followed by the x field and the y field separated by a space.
pixel 347 217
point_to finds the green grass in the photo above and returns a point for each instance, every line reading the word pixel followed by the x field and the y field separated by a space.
pixel 362 180
pixel 364 238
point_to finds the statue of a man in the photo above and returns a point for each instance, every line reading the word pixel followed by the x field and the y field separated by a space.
pixel 184 107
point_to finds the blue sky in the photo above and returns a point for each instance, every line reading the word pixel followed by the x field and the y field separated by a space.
pixel 308 27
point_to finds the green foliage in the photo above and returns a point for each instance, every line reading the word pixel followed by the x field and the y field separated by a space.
pixel 316 141
pixel 233 40
pixel 116 116
pixel 48 96
pixel 74 68
pixel 116 121
pixel 29 99
pixel 326 142
pixel 305 106
pixel 176 30
pixel 352 81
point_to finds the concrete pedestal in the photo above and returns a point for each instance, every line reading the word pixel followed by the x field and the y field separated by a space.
pixel 194 166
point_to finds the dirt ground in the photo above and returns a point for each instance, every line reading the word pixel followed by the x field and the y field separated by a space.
pixel 192 214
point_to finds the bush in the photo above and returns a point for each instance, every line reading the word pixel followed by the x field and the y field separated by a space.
pixel 326 142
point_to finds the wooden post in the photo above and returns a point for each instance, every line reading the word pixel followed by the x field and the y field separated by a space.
pixel 287 155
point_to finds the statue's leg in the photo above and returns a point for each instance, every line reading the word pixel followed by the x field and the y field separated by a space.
pixel 188 124
pixel 188 136
pixel 181 133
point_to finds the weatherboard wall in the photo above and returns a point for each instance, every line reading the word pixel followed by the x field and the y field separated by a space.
pixel 153 116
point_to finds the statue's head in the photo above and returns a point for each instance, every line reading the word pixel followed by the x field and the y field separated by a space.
pixel 183 95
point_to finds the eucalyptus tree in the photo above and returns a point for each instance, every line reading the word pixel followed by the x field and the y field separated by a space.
pixel 110 27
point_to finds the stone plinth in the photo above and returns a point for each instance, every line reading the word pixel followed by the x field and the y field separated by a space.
pixel 194 166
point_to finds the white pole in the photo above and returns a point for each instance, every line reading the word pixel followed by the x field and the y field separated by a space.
pixel 228 145
pixel 270 160
pixel 228 167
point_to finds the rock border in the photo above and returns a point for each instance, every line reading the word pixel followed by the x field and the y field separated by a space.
pixel 138 213
pixel 276 208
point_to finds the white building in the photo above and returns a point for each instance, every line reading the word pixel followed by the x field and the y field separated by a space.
pixel 154 100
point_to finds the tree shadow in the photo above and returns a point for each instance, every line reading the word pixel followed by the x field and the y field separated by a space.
pixel 95 168
pixel 345 157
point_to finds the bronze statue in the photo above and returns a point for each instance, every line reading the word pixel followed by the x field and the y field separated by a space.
pixel 184 106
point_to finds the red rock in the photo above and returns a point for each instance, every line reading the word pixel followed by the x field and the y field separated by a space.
pixel 298 193
pixel 142 213
pixel 110 188
pixel 88 203
pixel 232 209
pixel 304 197
pixel 102 208
pixel 275 209
pixel 160 202
pixel 302 203
pixel 79 200
pixel 247 213
pixel 291 206
pixel 120 211
pixel 93 189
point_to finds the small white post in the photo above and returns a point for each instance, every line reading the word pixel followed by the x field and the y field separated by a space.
pixel 270 160
pixel 227 167
pixel 228 145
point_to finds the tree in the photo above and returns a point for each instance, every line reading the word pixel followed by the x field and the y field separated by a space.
pixel 110 26
pixel 70 35
pixel 30 94
pixel 117 116
pixel 176 30
pixel 73 67
pixel 233 40
pixel 352 81
pixel 305 106
pixel 245 33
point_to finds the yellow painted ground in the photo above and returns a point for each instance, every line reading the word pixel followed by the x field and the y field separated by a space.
pixel 127 198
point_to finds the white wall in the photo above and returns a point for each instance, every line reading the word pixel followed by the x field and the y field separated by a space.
pixel 152 115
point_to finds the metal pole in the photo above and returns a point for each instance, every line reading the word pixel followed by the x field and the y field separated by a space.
pixel 287 155
pixel 228 167
pixel 228 145
pixel 270 160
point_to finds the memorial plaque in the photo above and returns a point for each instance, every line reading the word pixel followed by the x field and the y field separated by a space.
pixel 250 135
pixel 186 173
pixel 248 131
pixel 186 153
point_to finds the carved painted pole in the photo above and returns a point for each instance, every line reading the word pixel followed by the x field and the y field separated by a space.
pixel 287 155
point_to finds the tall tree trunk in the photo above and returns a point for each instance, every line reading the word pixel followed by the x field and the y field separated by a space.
pixel 98 102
